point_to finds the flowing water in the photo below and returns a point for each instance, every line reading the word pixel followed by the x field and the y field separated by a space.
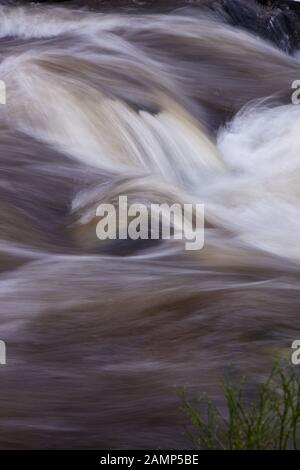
pixel 162 107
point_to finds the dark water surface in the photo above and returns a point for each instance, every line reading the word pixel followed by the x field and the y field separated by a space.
pixel 164 106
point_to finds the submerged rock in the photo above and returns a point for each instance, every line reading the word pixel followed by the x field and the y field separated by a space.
pixel 278 22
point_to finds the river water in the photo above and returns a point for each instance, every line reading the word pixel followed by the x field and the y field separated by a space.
pixel 163 107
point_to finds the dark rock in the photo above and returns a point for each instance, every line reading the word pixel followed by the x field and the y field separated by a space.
pixel 278 22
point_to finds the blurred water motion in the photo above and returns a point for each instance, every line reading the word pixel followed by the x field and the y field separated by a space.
pixel 162 107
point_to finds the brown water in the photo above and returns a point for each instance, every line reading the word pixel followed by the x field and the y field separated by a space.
pixel 174 107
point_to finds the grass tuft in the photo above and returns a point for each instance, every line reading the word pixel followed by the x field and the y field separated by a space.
pixel 270 421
